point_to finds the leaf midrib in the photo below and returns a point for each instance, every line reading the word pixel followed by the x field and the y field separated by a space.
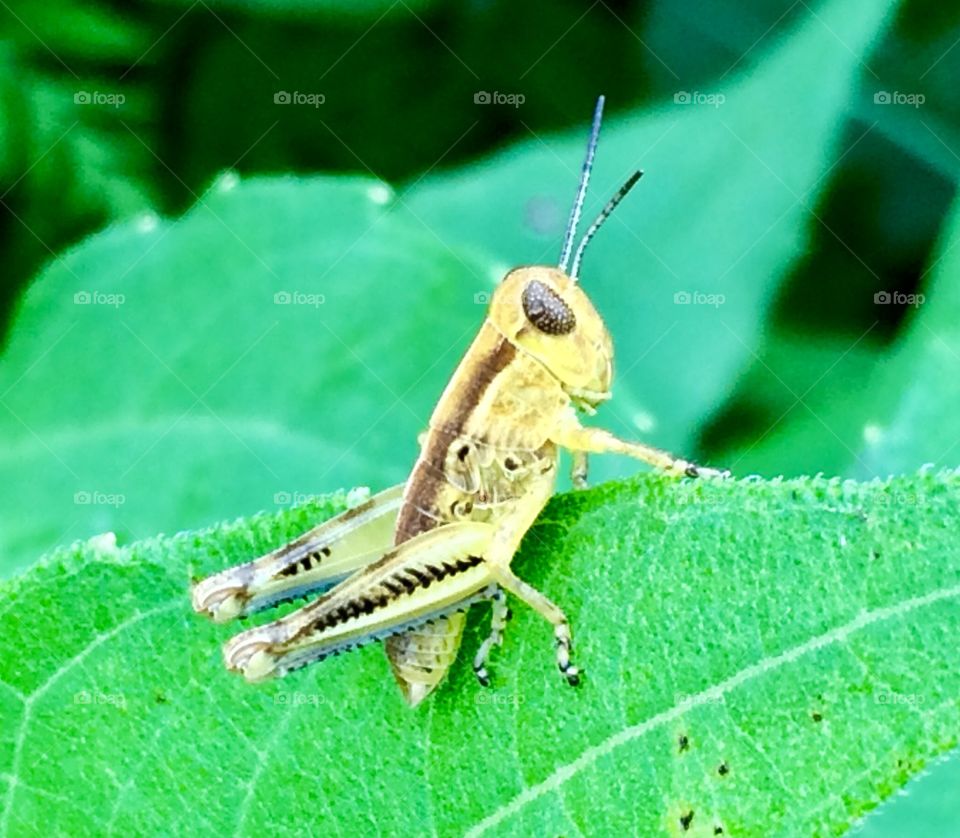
pixel 563 773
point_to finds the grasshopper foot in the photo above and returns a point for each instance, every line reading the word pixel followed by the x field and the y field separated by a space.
pixel 705 472
pixel 564 664
pixel 483 676
pixel 579 470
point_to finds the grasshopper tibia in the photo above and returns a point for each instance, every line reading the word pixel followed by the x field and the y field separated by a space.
pixel 512 583
pixel 579 469
pixel 498 621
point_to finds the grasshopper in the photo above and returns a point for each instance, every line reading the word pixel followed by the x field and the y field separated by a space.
pixel 406 565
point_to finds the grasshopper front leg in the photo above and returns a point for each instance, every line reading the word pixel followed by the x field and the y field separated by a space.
pixel 570 434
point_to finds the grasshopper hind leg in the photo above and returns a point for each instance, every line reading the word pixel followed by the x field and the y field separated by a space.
pixel 498 622
pixel 315 561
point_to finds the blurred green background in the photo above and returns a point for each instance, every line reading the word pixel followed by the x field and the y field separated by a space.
pixel 778 287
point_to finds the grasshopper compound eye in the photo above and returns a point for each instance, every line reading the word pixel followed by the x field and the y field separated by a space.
pixel 545 310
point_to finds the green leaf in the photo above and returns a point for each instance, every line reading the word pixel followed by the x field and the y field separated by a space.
pixel 284 337
pixel 771 658
pixel 917 393
pixel 723 211
pixel 74 141
pixel 374 10
pixel 845 407
pixel 802 407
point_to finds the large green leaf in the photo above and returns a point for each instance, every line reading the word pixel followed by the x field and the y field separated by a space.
pixel 865 411
pixel 723 210
pixel 156 381
pixel 853 410
pixel 374 10
pixel 73 135
pixel 917 394
pixel 769 658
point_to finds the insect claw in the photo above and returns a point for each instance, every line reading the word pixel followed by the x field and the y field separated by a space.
pixel 250 658
pixel 692 470
pixel 483 676
pixel 219 603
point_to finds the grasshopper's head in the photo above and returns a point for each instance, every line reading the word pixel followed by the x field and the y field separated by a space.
pixel 544 312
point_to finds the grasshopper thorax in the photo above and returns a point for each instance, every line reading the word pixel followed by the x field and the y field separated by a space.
pixel 545 313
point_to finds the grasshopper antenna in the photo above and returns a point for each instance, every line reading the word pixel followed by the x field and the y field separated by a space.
pixel 582 189
pixel 598 222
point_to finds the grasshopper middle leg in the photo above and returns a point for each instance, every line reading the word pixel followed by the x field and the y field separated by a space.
pixel 579 468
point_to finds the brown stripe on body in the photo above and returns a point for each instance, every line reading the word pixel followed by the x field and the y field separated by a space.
pixel 477 382
pixel 449 475
pixel 423 506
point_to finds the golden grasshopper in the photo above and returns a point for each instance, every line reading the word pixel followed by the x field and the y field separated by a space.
pixel 404 566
